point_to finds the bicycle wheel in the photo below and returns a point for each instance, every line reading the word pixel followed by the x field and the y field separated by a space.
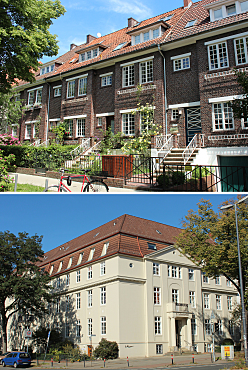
pixel 55 189
pixel 96 186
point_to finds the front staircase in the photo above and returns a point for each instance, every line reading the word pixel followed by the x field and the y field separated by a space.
pixel 175 157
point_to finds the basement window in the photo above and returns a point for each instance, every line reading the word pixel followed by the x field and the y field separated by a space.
pixel 152 246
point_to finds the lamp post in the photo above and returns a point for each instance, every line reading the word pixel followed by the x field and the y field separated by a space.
pixel 244 199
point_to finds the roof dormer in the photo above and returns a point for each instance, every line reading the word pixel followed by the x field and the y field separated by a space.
pixel 92 51
pixel 148 32
pixel 225 8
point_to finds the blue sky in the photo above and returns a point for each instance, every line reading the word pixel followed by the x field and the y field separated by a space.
pixel 60 218
pixel 92 17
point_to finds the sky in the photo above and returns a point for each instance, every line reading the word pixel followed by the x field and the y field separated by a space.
pixel 63 217
pixel 93 17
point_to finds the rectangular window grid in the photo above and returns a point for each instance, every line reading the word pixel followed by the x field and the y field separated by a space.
pixel 156 268
pixel 193 326
pixel 90 298
pixel 218 56
pixel 71 89
pixel 80 127
pixel 78 276
pixel 28 132
pixel 192 299
pixel 103 295
pixel 31 98
pixel 175 296
pixel 128 124
pixel 107 80
pixel 57 91
pixel 157 295
pixel 223 116
pixel 206 300
pixel 191 274
pixel 158 326
pixel 204 277
pixel 78 328
pixel 207 327
pixel 78 301
pixel 39 96
pixel 128 76
pixel 67 303
pixel 103 325
pixel 67 279
pixel 159 349
pixel 82 86
pixel 102 268
pixel 146 71
pixel 181 63
pixel 90 272
pixel 218 302
pixel 90 327
pixel 229 303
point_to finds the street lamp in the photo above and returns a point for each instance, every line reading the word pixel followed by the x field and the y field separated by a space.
pixel 244 199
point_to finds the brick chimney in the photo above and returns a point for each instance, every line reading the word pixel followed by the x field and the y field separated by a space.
pixel 72 46
pixel 90 38
pixel 187 3
pixel 131 22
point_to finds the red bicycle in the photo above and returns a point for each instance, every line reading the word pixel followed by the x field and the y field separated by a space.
pixel 94 185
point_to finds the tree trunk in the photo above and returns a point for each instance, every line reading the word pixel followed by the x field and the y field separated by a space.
pixel 4 332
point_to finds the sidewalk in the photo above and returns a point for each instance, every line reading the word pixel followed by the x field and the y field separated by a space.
pixel 135 363
pixel 75 186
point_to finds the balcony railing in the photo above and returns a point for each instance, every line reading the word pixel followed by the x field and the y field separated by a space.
pixel 181 307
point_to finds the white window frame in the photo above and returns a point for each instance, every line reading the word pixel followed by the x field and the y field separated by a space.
pixel 192 298
pixel 71 85
pixel 67 280
pixel 224 116
pixel 91 255
pixel 106 79
pixel 78 328
pixel 191 275
pixel 181 62
pixel 99 121
pixel 193 326
pixel 78 301
pixel 158 325
pixel 90 298
pixel 38 99
pixel 156 269
pixel 146 71
pixel 102 268
pixel 103 325
pixel 205 278
pixel 175 295
pixel 218 49
pixel 57 90
pixel 90 327
pixel 82 86
pixel 105 249
pixel 229 303
pixel 128 75
pixel 218 301
pixel 28 133
pixel 78 277
pixel 220 323
pixel 207 325
pixel 174 272
pixel 129 122
pixel 159 349
pixel 206 301
pixel 103 296
pixel 80 127
pixel 157 296
pixel 90 273
pixel 31 93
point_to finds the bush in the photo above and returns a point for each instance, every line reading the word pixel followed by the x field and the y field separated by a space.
pixel 6 165
pixel 106 349
pixel 8 139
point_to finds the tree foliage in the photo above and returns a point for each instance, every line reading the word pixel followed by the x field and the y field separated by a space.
pixel 10 112
pixel 209 239
pixel 25 37
pixel 24 288
pixel 240 106
pixel 40 336
pixel 106 349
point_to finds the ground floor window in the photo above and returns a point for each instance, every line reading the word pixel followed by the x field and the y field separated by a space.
pixel 244 123
pixel 195 348
pixel 28 131
pixel 14 130
pixel 222 116
pixel 70 126
pixel 159 349
pixel 81 127
pixel 158 326
pixel 208 347
pixel 128 124
pixel 67 330
pixel 78 328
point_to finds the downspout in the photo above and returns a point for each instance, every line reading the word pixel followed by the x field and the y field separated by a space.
pixel 48 111
pixel 165 96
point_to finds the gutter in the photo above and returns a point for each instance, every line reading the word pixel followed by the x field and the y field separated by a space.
pixel 165 96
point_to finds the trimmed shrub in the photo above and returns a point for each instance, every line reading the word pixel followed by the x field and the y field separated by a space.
pixel 106 350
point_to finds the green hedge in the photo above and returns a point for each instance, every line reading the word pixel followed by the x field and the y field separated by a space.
pixel 51 157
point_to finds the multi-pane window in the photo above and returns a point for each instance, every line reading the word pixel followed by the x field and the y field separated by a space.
pixel 58 282
pixel 128 124
pixel 181 63
pixel 155 33
pixel 228 282
pixel 244 6
pixel 39 96
pixel 174 114
pixel 57 91
pixel 107 80
pixel 157 295
pixel 71 89
pixel 208 347
pixel 191 274
pixel 207 327
pixel 156 268
pixel 103 325
pixel 231 327
pixel 158 325
pixel 192 299
pixel 67 303
pixel 241 50
pixel 222 116
pixel 78 276
pixel 175 295
pixel 90 327
pixel 57 305
pixel 218 56
pixel 229 303
pixel 175 271
pixel 80 127
pixel 146 71
pixel 103 295
pixel 146 36
pixel 128 76
pixel 193 326
pixel 14 130
pixel 67 330
pixel 90 298
pixel 146 119
pixel 70 126
pixel 99 121
pixel 78 301
pixel 217 280
pixel 105 249
pixel 204 277
pixel 78 328
pixel 90 272
pixel 28 131
pixel 218 302
pixel 70 262
pixel 91 255
pixel 206 300
pixel 82 86
pixel 220 325
pixel 31 96
pixel 137 39
pixel 102 268
pixel 159 349
pixel 217 14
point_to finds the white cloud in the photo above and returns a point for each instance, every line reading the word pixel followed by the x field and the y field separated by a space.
pixel 132 8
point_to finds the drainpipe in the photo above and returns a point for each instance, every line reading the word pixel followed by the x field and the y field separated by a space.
pixel 48 111
pixel 165 96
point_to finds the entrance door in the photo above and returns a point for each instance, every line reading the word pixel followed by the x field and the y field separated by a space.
pixel 193 123
pixel 110 120
pixel 178 333
pixel 89 350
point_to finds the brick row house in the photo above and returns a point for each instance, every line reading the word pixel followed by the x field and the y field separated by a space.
pixel 125 281
pixel 183 60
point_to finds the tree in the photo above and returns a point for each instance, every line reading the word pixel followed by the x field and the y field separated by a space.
pixel 25 38
pixel 209 240
pixel 10 112
pixel 106 349
pixel 40 336
pixel 240 106
pixel 24 288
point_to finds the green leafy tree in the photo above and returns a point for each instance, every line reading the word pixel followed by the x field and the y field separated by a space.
pixel 106 349
pixel 40 336
pixel 24 287
pixel 10 110
pixel 240 106
pixel 60 130
pixel 209 239
pixel 25 38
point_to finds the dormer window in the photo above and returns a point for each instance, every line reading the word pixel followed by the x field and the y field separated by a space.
pixel 105 248
pixel 80 258
pixel 70 262
pixel 47 69
pixel 118 47
pixel 89 54
pixel 51 269
pixel 217 14
pixel 60 266
pixel 146 35
pixel 231 9
pixel 244 6
pixel 92 251
pixel 222 9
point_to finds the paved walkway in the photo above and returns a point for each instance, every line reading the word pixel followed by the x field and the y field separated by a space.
pixel 137 363
pixel 75 186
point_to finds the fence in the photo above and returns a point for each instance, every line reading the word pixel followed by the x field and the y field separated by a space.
pixel 151 172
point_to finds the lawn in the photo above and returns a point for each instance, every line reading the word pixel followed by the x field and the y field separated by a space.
pixel 27 188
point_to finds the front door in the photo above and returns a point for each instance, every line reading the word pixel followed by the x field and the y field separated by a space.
pixel 110 120
pixel 178 333
pixel 193 123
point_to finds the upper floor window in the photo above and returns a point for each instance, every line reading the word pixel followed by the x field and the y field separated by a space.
pixel 231 9
pixel 31 97
pixel 222 116
pixel 217 55
pixel 244 6
pixel 207 327
pixel 181 62
pixel 192 299
pixel 218 302
pixel 157 295
pixel 156 268
pixel 128 124
pixel 191 23
pixel 105 248
pixel 204 277
pixel 46 69
pixel 71 89
pixel 67 281
pixel 103 295
pixel 57 91
pixel 128 76
pixel 90 54
pixel 82 86
pixel 102 268
pixel 90 272
pixel 217 280
pixel 91 255
pixel 228 282
pixel 78 276
pixel 146 71
pixel 241 50
pixel 191 274
pixel 229 303
pixel 147 35
pixel 106 80
pixel 175 295
pixel 174 271
pixel 206 300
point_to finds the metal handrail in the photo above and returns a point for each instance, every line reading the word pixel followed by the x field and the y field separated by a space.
pixel 168 145
pixel 190 148
pixel 82 147
pixel 95 146
pixel 161 140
